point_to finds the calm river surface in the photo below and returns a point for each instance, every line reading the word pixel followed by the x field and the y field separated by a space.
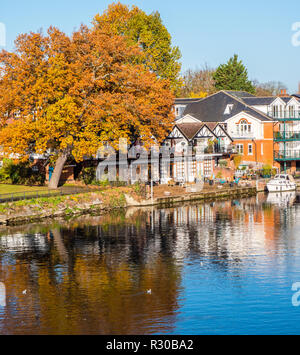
pixel 219 268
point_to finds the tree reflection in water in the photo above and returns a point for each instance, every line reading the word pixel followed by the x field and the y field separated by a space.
pixel 91 275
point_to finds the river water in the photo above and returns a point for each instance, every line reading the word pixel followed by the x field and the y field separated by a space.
pixel 215 268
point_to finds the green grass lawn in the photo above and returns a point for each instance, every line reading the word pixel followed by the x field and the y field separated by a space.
pixel 8 189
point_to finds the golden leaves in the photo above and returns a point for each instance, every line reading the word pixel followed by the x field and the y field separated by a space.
pixel 78 92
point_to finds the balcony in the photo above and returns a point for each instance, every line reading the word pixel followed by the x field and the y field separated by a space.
pixel 286 136
pixel 287 155
pixel 215 150
pixel 285 115
pixel 241 135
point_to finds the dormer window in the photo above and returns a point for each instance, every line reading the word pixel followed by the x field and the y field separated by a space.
pixel 179 109
pixel 291 111
pixel 277 111
pixel 228 109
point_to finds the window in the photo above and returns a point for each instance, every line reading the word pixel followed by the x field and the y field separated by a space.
pixel 250 149
pixel 244 128
pixel 192 169
pixel 228 109
pixel 240 148
pixel 262 149
pixel 180 170
pixel 291 111
pixel 17 114
pixel 207 168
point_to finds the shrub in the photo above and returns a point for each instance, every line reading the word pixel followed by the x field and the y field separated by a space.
pixel 223 163
pixel 21 173
pixel 88 175
pixel 267 170
pixel 140 189
pixel 237 161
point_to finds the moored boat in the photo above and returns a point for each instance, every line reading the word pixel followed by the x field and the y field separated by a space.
pixel 282 183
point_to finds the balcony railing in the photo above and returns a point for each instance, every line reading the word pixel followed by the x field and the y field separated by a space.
pixel 216 150
pixel 242 135
pixel 285 115
pixel 286 136
pixel 287 155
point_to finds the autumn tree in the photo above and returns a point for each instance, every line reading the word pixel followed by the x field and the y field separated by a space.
pixel 233 76
pixel 66 96
pixel 198 83
pixel 150 34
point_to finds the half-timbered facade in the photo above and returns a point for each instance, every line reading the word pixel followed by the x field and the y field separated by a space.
pixel 264 130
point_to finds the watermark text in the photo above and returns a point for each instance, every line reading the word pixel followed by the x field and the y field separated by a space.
pixel 2 35
pixel 2 295
pixel 296 296
pixel 296 35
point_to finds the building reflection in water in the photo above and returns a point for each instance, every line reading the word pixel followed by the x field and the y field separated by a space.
pixel 92 275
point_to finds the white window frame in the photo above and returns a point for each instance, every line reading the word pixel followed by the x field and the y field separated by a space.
pixel 250 145
pixel 244 128
pixel 240 148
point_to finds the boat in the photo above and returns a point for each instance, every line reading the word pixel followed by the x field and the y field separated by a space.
pixel 282 183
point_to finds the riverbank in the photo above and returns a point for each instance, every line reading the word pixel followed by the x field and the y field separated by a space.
pixel 108 199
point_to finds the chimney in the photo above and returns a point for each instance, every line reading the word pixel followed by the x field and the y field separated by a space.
pixel 283 92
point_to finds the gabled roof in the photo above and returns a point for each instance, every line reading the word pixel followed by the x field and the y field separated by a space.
pixel 287 100
pixel 186 101
pixel 239 94
pixel 266 101
pixel 259 101
pixel 212 125
pixel 189 130
pixel 212 108
pixel 219 126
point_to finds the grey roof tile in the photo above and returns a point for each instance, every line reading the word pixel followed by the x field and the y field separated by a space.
pixel 212 108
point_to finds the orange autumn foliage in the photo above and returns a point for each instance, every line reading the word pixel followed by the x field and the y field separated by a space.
pixel 70 95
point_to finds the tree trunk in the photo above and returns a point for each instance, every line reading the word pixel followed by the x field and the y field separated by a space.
pixel 59 165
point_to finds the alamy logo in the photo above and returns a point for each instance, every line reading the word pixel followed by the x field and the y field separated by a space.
pixel 2 295
pixel 296 35
pixel 296 296
pixel 2 35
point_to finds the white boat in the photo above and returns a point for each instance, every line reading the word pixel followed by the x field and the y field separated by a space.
pixel 281 183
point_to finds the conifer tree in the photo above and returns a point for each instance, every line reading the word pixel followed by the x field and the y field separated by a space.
pixel 233 76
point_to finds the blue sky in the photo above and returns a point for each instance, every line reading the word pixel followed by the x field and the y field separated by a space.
pixel 259 31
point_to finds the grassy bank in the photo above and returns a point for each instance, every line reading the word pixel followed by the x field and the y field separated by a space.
pixel 106 199
pixel 59 206
pixel 9 189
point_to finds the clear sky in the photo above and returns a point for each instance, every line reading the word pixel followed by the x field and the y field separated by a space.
pixel 259 31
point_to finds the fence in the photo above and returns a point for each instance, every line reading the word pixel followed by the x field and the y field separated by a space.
pixel 29 195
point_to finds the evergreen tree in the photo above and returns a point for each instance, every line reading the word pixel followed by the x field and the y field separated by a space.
pixel 233 76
